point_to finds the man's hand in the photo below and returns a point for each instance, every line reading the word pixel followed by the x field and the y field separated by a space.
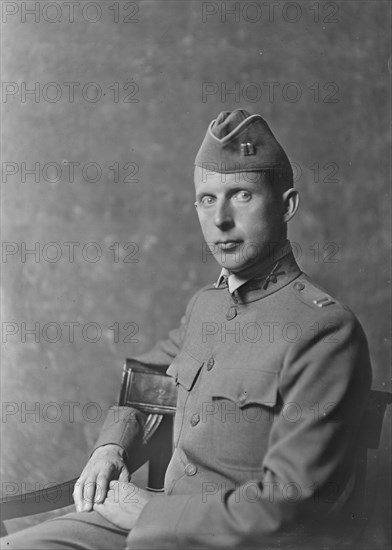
pixel 124 503
pixel 107 463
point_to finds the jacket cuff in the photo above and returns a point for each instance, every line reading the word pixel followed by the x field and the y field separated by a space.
pixel 123 426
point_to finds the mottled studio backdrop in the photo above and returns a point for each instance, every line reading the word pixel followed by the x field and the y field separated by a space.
pixel 107 103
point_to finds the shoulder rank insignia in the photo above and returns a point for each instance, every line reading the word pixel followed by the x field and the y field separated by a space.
pixel 311 294
pixel 323 302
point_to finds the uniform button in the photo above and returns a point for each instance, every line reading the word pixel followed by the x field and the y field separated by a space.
pixel 299 286
pixel 210 363
pixel 195 419
pixel 190 469
pixel 242 397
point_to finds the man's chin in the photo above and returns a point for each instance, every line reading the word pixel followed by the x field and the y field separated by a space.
pixel 231 264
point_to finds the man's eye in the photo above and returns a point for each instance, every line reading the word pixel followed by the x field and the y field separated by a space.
pixel 207 200
pixel 242 196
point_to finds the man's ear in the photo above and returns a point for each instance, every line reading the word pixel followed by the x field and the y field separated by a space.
pixel 290 202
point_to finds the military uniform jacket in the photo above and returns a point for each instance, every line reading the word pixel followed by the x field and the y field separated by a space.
pixel 272 384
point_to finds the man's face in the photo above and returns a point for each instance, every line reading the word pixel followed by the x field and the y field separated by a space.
pixel 241 219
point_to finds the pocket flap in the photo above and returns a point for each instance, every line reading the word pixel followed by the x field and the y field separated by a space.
pixel 184 369
pixel 246 387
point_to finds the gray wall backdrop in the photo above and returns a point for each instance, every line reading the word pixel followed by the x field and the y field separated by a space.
pixel 318 71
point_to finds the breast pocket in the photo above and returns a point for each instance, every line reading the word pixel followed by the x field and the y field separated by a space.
pixel 244 406
pixel 184 369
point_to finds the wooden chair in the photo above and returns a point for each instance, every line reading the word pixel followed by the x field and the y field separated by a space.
pixel 155 394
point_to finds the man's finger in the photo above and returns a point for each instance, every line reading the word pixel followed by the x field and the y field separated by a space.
pixel 101 488
pixel 78 494
pixel 89 490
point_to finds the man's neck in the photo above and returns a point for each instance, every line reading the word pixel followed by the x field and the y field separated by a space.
pixel 260 268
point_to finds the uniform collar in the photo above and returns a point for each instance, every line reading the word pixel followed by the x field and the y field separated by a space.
pixel 263 270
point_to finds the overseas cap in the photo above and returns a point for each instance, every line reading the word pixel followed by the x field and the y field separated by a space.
pixel 240 142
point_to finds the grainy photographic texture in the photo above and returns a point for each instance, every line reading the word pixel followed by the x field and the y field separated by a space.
pixel 104 107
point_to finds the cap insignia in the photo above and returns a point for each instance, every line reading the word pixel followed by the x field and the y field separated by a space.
pixel 247 149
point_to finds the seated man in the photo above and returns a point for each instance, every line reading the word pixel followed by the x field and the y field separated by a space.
pixel 272 373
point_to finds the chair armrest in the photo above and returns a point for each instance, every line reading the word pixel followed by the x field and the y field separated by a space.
pixel 37 502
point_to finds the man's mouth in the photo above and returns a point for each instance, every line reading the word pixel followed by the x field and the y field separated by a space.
pixel 228 245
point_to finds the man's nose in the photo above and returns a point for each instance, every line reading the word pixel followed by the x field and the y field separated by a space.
pixel 223 217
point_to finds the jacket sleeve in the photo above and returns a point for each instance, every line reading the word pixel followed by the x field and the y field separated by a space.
pixel 307 470
pixel 124 425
